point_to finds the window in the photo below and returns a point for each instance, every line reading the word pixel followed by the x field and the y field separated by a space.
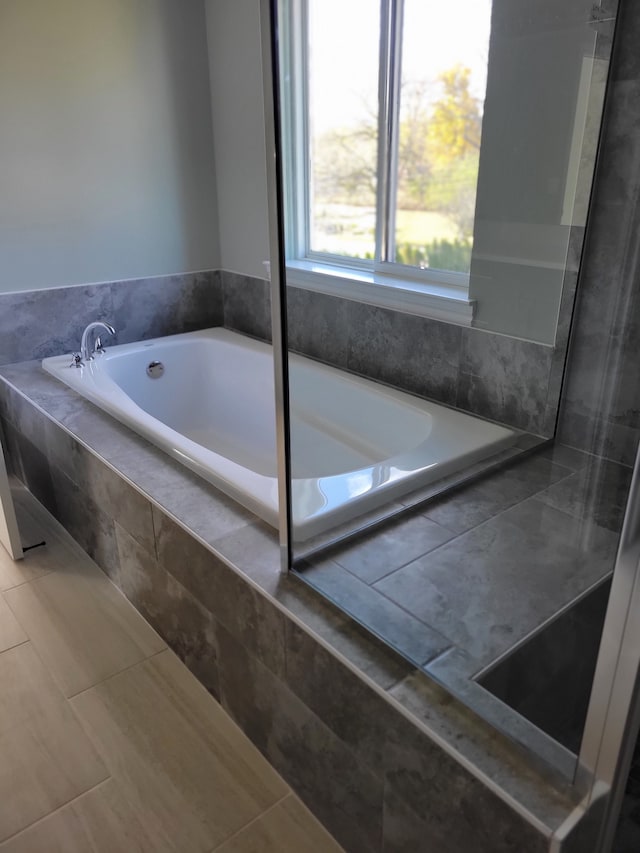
pixel 383 107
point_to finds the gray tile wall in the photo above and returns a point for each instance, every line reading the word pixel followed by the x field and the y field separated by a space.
pixel 600 409
pixel 501 378
pixel 35 324
pixel 374 777
pixel 495 376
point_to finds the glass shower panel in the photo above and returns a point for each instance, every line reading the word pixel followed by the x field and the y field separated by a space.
pixel 441 492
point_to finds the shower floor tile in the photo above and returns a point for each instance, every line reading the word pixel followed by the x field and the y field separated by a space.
pixel 492 586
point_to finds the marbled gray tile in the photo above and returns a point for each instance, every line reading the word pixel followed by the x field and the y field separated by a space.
pixel 166 305
pixel 247 305
pixel 343 794
pixel 356 713
pixel 567 457
pixel 471 505
pixel 593 376
pixel 38 323
pixel 193 501
pixel 414 353
pixel 31 466
pixel 237 605
pixel 48 322
pixel 116 498
pixel 29 420
pixel 104 434
pixel 375 659
pixel 317 325
pixel 185 625
pixel 548 679
pixel 31 379
pixel 90 527
pixel 490 587
pixel 390 546
pixel 494 755
pixel 411 637
pixel 479 822
pixel 618 170
pixel 255 549
pixel 615 442
pixel 625 63
pixel 11 449
pixel 504 379
pixel 597 493
pixel 62 449
pixel 455 670
pixel 427 780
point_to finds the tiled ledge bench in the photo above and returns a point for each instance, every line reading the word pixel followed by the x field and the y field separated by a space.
pixel 386 759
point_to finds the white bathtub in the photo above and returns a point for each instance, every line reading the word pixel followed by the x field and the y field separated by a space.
pixel 354 444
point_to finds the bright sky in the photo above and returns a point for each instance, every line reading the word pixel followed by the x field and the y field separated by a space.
pixel 345 37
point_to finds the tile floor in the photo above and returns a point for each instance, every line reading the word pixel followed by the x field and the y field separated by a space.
pixel 479 569
pixel 108 743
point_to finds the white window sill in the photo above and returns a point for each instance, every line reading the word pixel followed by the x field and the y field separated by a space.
pixel 445 302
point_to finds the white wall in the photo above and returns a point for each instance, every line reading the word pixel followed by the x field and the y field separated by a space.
pixel 233 28
pixel 106 161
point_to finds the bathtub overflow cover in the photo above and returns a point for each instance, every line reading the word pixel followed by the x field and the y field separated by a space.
pixel 155 369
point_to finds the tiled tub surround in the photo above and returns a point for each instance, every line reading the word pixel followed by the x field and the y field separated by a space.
pixel 496 377
pixel 36 324
pixel 601 406
pixel 505 379
pixel 384 758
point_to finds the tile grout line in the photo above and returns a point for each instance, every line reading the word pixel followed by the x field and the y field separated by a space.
pixel 16 645
pixel 116 674
pixel 491 518
pixel 413 559
pixel 253 820
pixel 56 810
pixel 50 670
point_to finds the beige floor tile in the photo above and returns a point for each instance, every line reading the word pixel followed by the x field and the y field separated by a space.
pixel 178 756
pixel 36 562
pixel 11 634
pixel 46 758
pixel 81 625
pixel 286 827
pixel 36 525
pixel 101 821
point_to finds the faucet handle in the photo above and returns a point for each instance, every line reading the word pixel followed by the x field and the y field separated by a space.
pixel 77 360
pixel 98 348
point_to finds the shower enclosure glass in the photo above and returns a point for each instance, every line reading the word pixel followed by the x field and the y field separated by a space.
pixel 434 215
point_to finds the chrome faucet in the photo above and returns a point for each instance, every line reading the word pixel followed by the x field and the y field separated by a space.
pixel 86 354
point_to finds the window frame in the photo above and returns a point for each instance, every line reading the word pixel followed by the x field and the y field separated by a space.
pixel 442 294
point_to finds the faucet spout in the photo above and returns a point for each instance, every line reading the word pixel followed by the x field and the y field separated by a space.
pixel 87 352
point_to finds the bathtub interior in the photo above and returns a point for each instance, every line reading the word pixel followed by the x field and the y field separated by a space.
pixel 356 444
